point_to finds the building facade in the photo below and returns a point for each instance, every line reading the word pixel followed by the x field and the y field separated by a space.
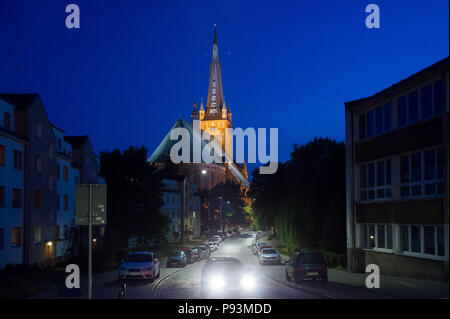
pixel 397 155
pixel 173 208
pixel 38 174
pixel 12 150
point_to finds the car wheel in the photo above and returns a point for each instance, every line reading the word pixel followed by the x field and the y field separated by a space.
pixel 159 272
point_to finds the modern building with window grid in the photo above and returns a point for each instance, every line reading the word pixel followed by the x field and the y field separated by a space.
pixel 397 168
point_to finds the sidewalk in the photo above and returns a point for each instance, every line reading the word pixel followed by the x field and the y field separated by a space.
pixel 343 284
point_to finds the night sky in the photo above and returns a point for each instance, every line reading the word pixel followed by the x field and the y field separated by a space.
pixel 134 67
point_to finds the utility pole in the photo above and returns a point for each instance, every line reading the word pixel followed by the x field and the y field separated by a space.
pixel 90 244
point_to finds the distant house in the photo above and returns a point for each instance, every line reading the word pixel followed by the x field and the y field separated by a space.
pixel 397 163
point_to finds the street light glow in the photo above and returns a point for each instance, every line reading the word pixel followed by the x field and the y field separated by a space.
pixel 204 171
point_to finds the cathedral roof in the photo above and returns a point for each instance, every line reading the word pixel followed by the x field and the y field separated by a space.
pixel 162 153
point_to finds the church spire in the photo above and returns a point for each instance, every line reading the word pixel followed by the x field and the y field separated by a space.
pixel 214 103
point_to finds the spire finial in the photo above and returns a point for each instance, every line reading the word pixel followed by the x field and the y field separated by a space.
pixel 215 33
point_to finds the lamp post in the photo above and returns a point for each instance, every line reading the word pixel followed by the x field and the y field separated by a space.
pixel 203 172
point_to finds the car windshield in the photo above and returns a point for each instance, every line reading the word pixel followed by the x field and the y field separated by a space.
pixel 140 258
pixel 269 251
pixel 261 244
pixel 310 258
pixel 224 266
pixel 175 253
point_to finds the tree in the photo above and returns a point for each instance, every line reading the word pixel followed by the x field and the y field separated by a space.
pixel 305 199
pixel 134 197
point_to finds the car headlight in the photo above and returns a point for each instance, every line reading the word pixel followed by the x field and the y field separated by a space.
pixel 248 282
pixel 216 282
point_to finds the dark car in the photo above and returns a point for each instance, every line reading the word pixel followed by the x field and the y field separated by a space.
pixel 227 277
pixel 176 258
pixel 204 252
pixel 189 254
pixel 308 264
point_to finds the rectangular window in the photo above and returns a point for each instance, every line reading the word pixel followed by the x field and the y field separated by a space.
pixel 425 99
pixel 413 106
pixel 438 92
pixel 18 159
pixel 421 173
pixel 58 202
pixel 387 109
pixel 51 151
pixel 38 199
pixel 66 202
pixel 66 173
pixel 415 239
pixel 66 232
pixel 375 180
pixel 59 144
pixel 16 237
pixel 37 235
pixel 39 130
pixel 2 238
pixel 2 155
pixel 440 240
pixel 370 123
pixel 362 126
pixel 38 164
pixel 402 110
pixel 381 236
pixel 50 216
pixel 371 236
pixel 404 238
pixel 389 237
pixel 7 120
pixel 51 184
pixel 17 198
pixel 2 196
pixel 429 243
pixel 379 120
pixel 58 237
pixel 58 169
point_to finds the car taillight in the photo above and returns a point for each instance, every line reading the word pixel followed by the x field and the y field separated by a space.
pixel 300 269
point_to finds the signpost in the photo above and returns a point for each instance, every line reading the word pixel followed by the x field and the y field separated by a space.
pixel 90 209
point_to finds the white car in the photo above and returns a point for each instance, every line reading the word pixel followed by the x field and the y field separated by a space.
pixel 212 245
pixel 269 256
pixel 140 265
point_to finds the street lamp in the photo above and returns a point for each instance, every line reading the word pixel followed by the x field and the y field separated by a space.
pixel 202 172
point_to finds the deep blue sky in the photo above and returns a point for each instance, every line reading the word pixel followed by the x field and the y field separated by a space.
pixel 135 66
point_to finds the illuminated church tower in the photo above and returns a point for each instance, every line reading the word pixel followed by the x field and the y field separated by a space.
pixel 216 118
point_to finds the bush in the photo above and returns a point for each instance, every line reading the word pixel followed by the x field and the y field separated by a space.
pixel 342 260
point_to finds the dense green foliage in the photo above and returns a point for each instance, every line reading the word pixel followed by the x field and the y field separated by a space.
pixel 304 201
pixel 134 197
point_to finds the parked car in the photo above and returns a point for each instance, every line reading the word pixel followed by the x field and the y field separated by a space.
pixel 212 245
pixel 204 253
pixel 269 256
pixel 196 254
pixel 215 240
pixel 140 265
pixel 261 247
pixel 255 248
pixel 176 258
pixel 308 264
pixel 189 254
pixel 217 237
pixel 227 276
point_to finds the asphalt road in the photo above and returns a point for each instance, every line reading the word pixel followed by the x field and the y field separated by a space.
pixel 184 283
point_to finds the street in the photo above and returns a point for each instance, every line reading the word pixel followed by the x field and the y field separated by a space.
pixel 184 283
